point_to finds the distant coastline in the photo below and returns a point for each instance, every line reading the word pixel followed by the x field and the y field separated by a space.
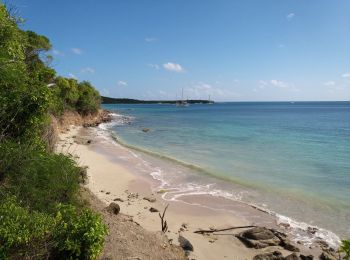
pixel 109 100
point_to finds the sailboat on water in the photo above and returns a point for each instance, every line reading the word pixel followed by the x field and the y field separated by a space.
pixel 182 102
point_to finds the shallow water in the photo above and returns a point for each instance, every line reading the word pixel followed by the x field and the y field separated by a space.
pixel 290 158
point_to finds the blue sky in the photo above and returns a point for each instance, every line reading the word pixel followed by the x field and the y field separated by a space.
pixel 262 50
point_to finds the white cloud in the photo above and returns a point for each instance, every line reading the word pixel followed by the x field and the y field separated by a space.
pixel 346 75
pixel 329 83
pixel 263 84
pixel 77 51
pixel 122 83
pixel 154 66
pixel 87 70
pixel 173 67
pixel 71 75
pixel 150 39
pixel 278 83
pixel 202 90
pixel 290 16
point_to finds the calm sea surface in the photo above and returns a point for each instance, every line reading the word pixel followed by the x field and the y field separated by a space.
pixel 291 158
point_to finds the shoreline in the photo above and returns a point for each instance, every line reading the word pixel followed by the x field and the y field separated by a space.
pixel 130 188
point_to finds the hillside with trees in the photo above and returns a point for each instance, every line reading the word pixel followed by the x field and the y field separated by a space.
pixel 42 215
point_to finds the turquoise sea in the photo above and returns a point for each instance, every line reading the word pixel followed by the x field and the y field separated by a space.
pixel 292 158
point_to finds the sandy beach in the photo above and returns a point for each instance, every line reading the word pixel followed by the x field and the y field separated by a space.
pixel 111 180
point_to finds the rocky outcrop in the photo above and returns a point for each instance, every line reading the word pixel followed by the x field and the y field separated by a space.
pixel 74 118
pixel 261 237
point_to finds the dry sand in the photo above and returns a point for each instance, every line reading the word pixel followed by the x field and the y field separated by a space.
pixel 109 180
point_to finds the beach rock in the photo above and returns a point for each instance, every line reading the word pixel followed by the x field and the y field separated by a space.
pixel 146 130
pixel 150 199
pixel 293 256
pixel 113 208
pixel 259 237
pixel 306 257
pixel 276 255
pixel 286 244
pixel 327 256
pixel 153 209
pixel 185 244
pixel 258 233
pixel 119 199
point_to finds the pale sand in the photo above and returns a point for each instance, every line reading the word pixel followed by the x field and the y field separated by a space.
pixel 109 180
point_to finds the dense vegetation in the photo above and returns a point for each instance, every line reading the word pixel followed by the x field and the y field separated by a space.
pixel 41 214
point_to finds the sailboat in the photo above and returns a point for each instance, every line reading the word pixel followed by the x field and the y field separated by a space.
pixel 182 102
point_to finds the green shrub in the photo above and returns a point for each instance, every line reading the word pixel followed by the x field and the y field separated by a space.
pixel 345 248
pixel 89 99
pixel 23 233
pixel 78 235
pixel 40 179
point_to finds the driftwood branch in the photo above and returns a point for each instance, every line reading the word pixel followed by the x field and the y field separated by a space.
pixel 163 222
pixel 219 230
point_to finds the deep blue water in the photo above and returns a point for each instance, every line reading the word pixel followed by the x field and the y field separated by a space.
pixel 296 152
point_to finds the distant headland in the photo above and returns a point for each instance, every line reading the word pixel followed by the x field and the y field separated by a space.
pixel 109 100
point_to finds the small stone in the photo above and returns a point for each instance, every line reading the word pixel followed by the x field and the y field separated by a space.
pixel 306 257
pixel 184 225
pixel 150 199
pixel 108 193
pixel 146 130
pixel 119 199
pixel 113 208
pixel 153 209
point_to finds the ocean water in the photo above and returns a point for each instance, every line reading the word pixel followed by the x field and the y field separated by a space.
pixel 292 159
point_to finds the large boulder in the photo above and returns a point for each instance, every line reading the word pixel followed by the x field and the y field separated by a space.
pixel 185 244
pixel 259 237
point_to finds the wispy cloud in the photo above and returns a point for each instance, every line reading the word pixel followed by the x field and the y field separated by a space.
pixel 203 90
pixel 346 75
pixel 173 67
pixel 279 83
pixel 57 52
pixel 274 83
pixel 77 51
pixel 290 16
pixel 71 75
pixel 154 66
pixel 122 83
pixel 329 83
pixel 87 70
pixel 151 39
